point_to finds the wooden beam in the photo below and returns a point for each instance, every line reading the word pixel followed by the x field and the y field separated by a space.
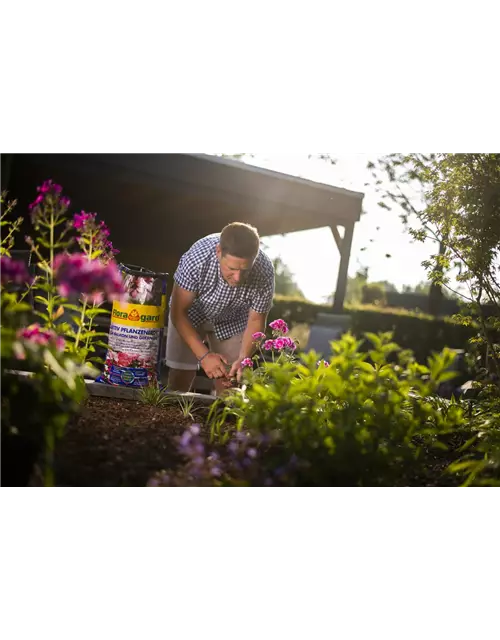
pixel 345 254
pixel 337 236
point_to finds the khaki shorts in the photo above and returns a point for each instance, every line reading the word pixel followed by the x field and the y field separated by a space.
pixel 180 356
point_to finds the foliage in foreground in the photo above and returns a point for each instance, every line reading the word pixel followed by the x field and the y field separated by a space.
pixel 68 288
pixel 355 421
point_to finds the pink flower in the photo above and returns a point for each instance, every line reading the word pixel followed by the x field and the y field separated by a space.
pixel 257 337
pixel 42 337
pixel 76 274
pixel 48 190
pixel 49 187
pixel 268 345
pixel 80 220
pixel 92 233
pixel 289 344
pixel 323 362
pixel 280 326
pixel 279 344
pixel 13 271
pixel 247 362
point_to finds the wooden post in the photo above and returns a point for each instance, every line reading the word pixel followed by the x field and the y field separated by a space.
pixel 345 254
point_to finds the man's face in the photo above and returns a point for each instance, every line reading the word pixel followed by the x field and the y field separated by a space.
pixel 234 270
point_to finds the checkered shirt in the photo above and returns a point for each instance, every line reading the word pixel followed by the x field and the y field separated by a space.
pixel 223 306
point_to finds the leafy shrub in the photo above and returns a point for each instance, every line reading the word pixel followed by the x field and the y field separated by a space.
pixel 373 293
pixel 346 422
pixel 421 333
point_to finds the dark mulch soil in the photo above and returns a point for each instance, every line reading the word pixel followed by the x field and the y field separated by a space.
pixel 123 443
pixel 120 443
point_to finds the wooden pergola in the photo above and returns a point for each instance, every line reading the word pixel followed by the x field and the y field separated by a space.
pixel 157 205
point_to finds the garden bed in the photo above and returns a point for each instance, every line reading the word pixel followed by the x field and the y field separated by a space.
pixel 116 442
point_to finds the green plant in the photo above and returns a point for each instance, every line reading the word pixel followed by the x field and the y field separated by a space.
pixel 373 293
pixel 37 406
pixel 419 332
pixel 187 406
pixel 9 227
pixel 73 285
pixel 153 395
pixel 359 420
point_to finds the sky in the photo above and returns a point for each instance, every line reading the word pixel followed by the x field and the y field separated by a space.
pixel 313 257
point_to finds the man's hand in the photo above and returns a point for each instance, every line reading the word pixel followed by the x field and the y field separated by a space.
pixel 235 371
pixel 214 365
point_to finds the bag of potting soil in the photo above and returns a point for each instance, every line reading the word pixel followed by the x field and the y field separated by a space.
pixel 136 330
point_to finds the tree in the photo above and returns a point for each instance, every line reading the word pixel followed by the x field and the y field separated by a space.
pixel 285 284
pixel 460 210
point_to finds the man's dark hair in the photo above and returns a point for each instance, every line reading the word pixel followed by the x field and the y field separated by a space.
pixel 240 240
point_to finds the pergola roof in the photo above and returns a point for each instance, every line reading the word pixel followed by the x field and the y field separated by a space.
pixel 159 204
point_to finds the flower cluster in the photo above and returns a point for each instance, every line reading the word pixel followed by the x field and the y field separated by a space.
pixel 48 191
pixel 279 344
pixel 76 274
pixel 13 272
pixel 247 362
pixel 35 335
pixel 242 462
pixel 93 236
pixel 200 469
pixel 279 327
pixel 258 337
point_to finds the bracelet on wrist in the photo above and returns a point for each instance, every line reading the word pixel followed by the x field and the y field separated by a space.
pixel 204 356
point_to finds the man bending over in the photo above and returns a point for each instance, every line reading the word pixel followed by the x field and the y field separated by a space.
pixel 223 292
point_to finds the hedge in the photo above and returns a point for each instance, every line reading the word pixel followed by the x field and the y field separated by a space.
pixel 421 333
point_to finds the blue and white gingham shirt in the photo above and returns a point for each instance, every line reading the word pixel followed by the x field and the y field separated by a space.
pixel 223 306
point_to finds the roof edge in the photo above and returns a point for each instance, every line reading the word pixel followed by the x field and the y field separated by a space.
pixel 238 164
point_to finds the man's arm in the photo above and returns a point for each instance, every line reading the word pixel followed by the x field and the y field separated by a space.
pixel 181 302
pixel 213 363
pixel 256 323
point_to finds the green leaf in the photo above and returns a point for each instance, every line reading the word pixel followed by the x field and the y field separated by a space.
pixel 72 307
pixel 91 313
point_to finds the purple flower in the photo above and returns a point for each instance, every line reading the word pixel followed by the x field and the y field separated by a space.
pixel 268 345
pixel 48 190
pixel 252 453
pixel 247 362
pixel 185 439
pixel 195 429
pixel 233 447
pixel 76 274
pixel 257 337
pixel 13 271
pixel 280 326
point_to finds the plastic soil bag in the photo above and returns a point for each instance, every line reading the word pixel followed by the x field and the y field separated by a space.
pixel 136 330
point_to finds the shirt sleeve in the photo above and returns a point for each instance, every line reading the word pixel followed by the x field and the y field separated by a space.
pixel 263 297
pixel 187 275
